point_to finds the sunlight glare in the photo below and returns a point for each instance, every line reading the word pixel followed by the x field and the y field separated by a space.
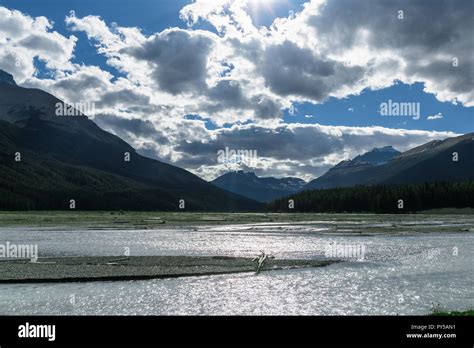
pixel 260 8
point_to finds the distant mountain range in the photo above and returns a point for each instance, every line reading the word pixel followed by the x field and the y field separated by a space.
pixel 431 162
pixel 259 189
pixel 70 157
pixel 434 161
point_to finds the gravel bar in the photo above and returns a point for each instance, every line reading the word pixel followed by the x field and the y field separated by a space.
pixel 109 268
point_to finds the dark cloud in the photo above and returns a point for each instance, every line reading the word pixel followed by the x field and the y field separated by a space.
pixel 293 71
pixel 430 24
pixel 428 31
pixel 228 94
pixel 281 143
pixel 265 107
pixel 179 59
pixel 124 127
pixel 456 79
pixel 41 43
pixel 79 82
pixel 121 97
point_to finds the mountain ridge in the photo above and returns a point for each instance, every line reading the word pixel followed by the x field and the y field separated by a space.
pixel 66 157
pixel 428 162
pixel 262 189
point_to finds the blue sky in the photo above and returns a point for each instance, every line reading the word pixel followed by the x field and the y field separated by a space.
pixel 363 110
pixel 282 79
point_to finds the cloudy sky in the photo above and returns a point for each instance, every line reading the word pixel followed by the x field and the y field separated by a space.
pixel 300 82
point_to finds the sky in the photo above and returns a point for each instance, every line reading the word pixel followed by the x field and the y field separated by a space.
pixel 300 83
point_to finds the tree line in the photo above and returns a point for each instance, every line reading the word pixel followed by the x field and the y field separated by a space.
pixel 380 199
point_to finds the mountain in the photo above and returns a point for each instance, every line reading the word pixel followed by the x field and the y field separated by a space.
pixel 6 78
pixel 259 189
pixel 347 173
pixel 430 162
pixel 70 157
pixel 377 156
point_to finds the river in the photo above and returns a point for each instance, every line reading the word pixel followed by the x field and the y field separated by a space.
pixel 397 273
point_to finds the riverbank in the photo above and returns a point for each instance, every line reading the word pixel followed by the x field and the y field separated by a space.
pixel 339 223
pixel 466 313
pixel 86 269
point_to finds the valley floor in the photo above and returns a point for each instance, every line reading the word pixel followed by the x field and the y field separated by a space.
pixel 451 220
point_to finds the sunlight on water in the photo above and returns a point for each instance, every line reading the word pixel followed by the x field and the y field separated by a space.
pixel 400 274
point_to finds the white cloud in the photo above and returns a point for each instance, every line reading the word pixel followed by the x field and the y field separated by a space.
pixel 24 38
pixel 438 116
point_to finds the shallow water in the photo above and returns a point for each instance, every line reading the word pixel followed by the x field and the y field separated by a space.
pixel 398 274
